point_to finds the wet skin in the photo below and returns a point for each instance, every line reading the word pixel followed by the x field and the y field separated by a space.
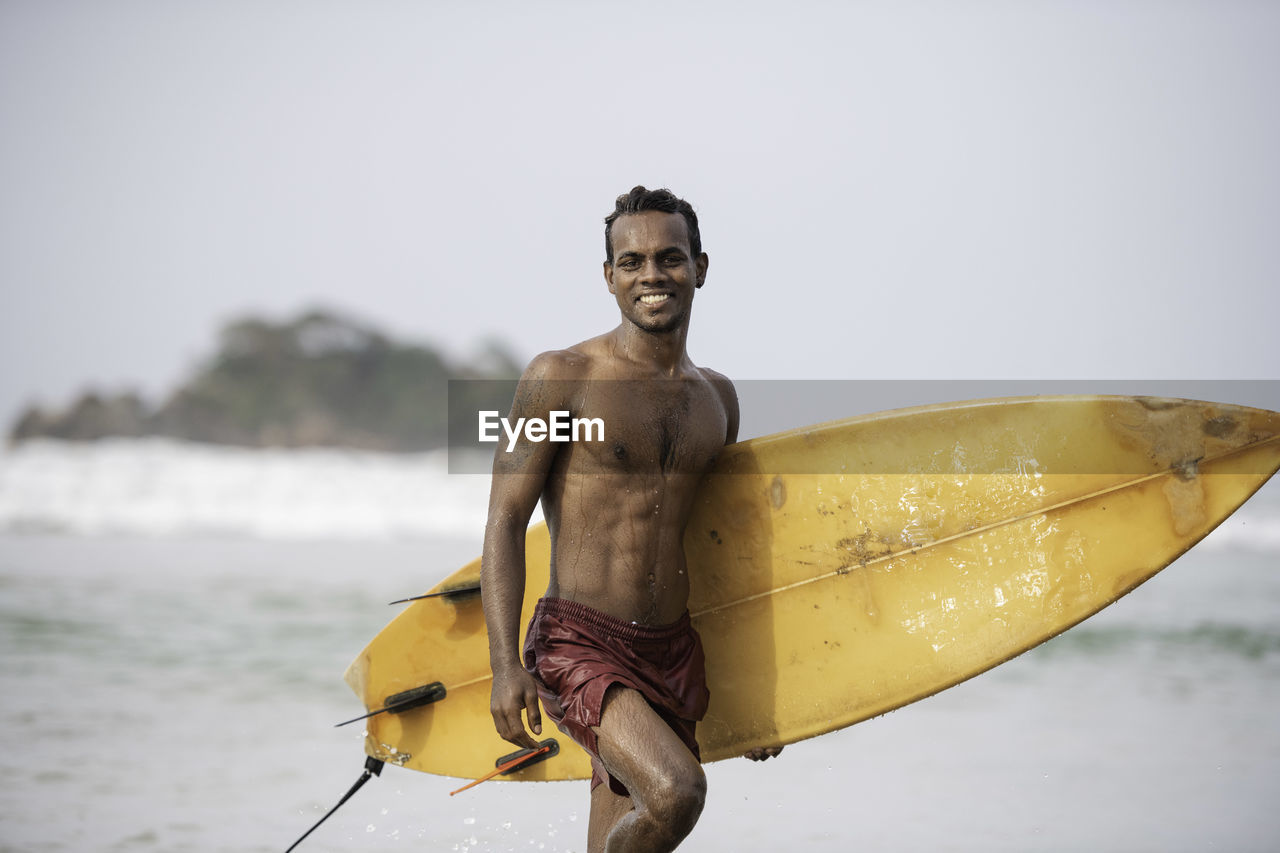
pixel 616 510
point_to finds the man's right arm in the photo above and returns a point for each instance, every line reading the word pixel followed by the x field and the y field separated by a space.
pixel 518 480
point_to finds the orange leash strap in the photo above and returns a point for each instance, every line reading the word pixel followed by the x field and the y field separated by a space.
pixel 503 768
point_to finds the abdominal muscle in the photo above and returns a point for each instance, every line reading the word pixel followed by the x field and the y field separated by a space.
pixel 618 544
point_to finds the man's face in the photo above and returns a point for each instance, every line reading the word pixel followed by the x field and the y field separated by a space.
pixel 654 274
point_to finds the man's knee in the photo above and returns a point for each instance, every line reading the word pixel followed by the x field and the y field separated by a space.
pixel 679 795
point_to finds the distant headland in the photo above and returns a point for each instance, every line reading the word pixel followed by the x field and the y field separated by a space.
pixel 320 380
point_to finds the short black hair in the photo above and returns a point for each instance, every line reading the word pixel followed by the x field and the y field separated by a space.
pixel 640 200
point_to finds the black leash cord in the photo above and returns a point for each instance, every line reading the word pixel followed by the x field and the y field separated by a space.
pixel 372 767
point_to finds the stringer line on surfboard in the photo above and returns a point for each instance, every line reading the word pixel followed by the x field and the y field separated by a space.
pixel 1079 499
pixel 995 525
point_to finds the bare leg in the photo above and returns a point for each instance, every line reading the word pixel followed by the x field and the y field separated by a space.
pixel 666 782
pixel 607 808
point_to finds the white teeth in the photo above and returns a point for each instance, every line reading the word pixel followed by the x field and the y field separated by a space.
pixel 653 298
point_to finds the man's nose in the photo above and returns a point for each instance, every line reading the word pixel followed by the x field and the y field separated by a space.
pixel 652 271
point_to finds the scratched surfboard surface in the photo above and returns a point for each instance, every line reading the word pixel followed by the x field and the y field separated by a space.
pixel 845 569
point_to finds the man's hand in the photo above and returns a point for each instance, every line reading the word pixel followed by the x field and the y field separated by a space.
pixel 763 753
pixel 513 692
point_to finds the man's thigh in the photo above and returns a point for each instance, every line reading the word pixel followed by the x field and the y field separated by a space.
pixel 640 749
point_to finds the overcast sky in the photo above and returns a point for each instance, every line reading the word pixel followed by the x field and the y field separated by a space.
pixel 1086 190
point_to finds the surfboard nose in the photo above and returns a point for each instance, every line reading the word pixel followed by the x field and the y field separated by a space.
pixel 1181 434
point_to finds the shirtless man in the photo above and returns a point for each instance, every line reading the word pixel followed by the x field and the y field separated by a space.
pixel 610 647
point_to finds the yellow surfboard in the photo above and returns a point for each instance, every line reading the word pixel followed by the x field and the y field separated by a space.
pixel 842 570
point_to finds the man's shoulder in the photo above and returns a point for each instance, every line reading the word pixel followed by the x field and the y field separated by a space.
pixel 722 384
pixel 559 364
pixel 728 399
pixel 574 362
pixel 716 378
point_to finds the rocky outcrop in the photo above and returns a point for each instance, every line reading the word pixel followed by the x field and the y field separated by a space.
pixel 320 380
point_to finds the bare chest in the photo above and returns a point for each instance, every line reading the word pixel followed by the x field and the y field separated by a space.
pixel 652 427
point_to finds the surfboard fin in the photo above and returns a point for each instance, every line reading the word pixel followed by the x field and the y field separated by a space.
pixel 453 595
pixel 398 703
pixel 522 758
pixel 372 767
pixel 518 760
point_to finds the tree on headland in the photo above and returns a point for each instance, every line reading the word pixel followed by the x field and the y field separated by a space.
pixel 320 380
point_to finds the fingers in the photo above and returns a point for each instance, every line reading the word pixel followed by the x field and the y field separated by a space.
pixel 523 740
pixel 533 712
pixel 763 753
pixel 511 728
pixel 506 709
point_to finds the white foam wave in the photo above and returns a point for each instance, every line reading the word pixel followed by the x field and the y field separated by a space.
pixel 158 487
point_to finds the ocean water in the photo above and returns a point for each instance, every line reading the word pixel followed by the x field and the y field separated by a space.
pixel 175 621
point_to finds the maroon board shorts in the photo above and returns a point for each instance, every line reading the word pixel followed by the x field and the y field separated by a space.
pixel 576 653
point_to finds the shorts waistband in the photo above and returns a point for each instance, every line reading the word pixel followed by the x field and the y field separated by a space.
pixel 623 630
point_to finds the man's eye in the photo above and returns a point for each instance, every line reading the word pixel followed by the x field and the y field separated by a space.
pixel 629 264
pixel 673 260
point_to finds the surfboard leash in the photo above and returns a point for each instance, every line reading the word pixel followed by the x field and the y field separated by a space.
pixel 506 764
pixel 372 767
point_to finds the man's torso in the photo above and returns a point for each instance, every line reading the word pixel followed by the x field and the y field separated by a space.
pixel 617 508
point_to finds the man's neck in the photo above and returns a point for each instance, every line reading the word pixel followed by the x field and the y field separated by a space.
pixel 664 351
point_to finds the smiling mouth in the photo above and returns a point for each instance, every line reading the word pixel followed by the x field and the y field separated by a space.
pixel 655 298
